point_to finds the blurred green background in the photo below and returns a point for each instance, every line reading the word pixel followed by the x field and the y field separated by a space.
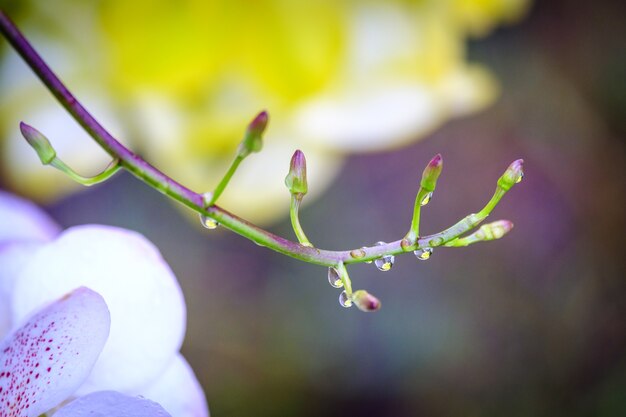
pixel 532 325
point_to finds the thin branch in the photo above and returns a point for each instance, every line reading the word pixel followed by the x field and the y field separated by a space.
pixel 158 180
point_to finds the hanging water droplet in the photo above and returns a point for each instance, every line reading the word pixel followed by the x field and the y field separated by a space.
pixel 367 262
pixel 426 199
pixel 334 279
pixel 208 222
pixel 520 178
pixel 344 299
pixel 386 262
pixel 423 253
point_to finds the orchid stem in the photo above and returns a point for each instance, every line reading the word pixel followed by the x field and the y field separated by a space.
pixel 225 180
pixel 108 172
pixel 415 223
pixel 294 209
pixel 166 185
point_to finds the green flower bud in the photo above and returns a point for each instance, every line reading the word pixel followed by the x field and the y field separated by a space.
pixel 365 301
pixel 512 175
pixel 39 143
pixel 431 173
pixel 296 179
pixel 253 139
pixel 494 230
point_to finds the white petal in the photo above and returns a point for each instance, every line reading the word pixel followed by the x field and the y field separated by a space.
pixel 47 359
pixel 111 404
pixel 178 391
pixel 22 220
pixel 145 300
pixel 13 257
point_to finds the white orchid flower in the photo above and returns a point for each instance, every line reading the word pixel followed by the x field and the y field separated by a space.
pixel 47 359
pixel 139 352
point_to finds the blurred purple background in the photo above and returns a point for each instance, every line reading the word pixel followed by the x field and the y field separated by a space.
pixel 532 325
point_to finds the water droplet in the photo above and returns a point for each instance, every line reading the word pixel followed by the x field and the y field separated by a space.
pixel 520 178
pixel 208 222
pixel 333 278
pixel 386 262
pixel 363 248
pixel 423 253
pixel 426 199
pixel 357 253
pixel 344 299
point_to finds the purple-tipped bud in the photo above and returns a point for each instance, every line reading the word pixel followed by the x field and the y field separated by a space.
pixel 431 173
pixel 494 230
pixel 513 174
pixel 365 301
pixel 296 178
pixel 39 143
pixel 253 139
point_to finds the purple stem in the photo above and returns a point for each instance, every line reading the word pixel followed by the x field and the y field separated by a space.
pixel 152 176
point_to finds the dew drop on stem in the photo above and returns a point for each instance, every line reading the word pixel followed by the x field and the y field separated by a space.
pixel 426 199
pixel 345 300
pixel 386 262
pixel 208 222
pixel 423 253
pixel 333 278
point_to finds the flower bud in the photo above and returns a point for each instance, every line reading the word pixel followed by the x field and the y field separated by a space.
pixel 512 175
pixel 365 301
pixel 495 230
pixel 296 179
pixel 39 143
pixel 253 139
pixel 431 173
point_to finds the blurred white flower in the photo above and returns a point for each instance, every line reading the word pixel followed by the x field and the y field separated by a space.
pixel 23 228
pixel 147 310
pixel 22 220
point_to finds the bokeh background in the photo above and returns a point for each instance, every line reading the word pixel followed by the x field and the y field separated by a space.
pixel 532 325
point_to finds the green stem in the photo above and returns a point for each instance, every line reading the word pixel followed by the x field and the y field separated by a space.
pixel 108 172
pixel 345 278
pixel 461 242
pixel 224 182
pixel 464 225
pixel 415 223
pixel 294 209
